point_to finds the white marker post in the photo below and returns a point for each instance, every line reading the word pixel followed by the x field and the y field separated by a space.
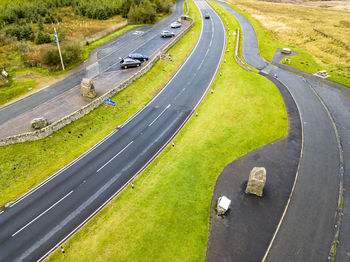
pixel 59 49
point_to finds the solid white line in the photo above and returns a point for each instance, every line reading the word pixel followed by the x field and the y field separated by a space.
pixel 159 115
pixel 42 213
pixel 121 151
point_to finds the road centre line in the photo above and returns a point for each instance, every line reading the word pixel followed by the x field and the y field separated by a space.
pixel 41 214
pixel 183 89
pixel 159 115
pixel 115 156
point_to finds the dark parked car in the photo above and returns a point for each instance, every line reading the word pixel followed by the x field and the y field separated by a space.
pixel 207 16
pixel 139 57
pixel 128 62
pixel 167 33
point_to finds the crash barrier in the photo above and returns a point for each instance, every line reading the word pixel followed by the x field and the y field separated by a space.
pixel 238 60
pixel 55 126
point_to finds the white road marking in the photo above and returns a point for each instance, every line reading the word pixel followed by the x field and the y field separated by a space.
pixel 183 89
pixel 42 214
pixel 1 212
pixel 121 151
pixel 159 115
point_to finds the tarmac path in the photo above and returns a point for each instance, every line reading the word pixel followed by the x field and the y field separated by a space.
pixel 37 223
pixel 308 227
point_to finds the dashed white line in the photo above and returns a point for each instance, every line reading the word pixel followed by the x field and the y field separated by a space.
pixel 114 156
pixel 42 213
pixel 159 115
pixel 183 89
pixel 1 212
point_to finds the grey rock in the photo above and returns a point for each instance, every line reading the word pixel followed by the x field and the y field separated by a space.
pixel 39 123
pixel 256 182
pixel 88 88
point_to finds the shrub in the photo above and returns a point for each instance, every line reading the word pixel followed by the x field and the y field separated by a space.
pixel 42 37
pixel 32 58
pixel 71 53
pixel 145 12
pixel 21 32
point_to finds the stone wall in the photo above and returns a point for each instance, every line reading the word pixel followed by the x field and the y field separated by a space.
pixel 46 131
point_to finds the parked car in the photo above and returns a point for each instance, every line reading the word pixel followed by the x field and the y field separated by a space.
pixel 166 33
pixel 175 25
pixel 207 16
pixel 140 57
pixel 128 62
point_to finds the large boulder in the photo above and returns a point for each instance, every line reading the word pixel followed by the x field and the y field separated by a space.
pixel 256 182
pixel 88 88
pixel 38 123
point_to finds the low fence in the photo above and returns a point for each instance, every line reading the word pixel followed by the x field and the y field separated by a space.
pixel 238 60
pixel 46 131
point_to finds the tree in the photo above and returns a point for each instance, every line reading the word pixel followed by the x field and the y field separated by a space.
pixel 42 37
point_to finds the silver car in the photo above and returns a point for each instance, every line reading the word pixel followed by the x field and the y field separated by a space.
pixel 166 33
pixel 175 25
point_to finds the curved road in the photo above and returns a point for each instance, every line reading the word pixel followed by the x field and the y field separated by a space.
pixel 38 222
pixel 308 228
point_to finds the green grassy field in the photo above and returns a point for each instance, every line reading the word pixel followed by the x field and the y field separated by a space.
pixel 280 25
pixel 166 216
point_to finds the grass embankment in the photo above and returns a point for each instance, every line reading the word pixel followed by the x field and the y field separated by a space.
pixel 166 216
pixel 290 25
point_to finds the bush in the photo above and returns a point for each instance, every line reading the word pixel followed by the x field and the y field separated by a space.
pixel 49 56
pixel 144 13
pixel 42 37
pixel 21 32
pixel 32 58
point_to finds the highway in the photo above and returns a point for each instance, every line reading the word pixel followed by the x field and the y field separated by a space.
pixel 42 219
pixel 145 40
pixel 309 225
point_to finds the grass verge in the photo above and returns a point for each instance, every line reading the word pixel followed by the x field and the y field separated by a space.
pixel 304 61
pixel 166 216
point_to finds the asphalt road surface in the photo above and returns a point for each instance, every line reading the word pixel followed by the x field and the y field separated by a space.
pixel 145 40
pixel 36 223
pixel 308 228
